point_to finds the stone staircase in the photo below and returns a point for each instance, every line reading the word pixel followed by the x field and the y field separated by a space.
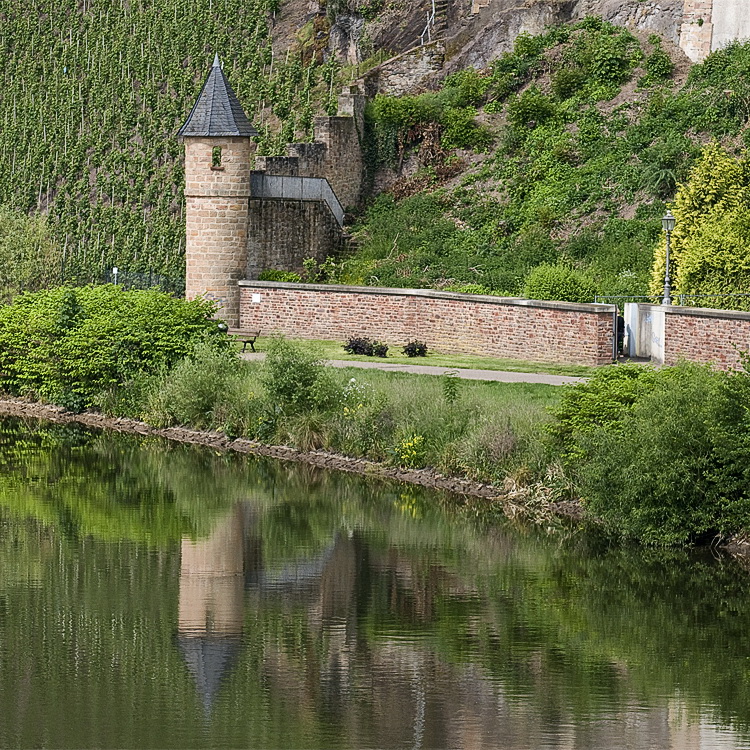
pixel 441 17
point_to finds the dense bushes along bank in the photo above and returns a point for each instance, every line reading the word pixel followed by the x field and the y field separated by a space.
pixel 658 455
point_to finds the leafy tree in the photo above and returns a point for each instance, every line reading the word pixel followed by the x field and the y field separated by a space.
pixel 710 251
pixel 30 259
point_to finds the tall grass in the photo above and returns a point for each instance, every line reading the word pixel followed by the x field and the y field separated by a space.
pixel 484 431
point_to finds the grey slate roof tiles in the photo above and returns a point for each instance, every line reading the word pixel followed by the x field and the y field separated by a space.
pixel 217 112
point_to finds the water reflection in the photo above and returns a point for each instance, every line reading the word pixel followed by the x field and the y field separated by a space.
pixel 283 607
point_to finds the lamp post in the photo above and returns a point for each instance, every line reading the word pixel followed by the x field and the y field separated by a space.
pixel 667 224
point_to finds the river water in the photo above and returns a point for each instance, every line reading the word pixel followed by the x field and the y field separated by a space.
pixel 158 595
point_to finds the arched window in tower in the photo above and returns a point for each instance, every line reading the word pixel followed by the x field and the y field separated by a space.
pixel 216 158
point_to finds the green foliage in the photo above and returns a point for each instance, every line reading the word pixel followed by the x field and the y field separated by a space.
pixel 466 87
pixel 462 130
pixel 273 274
pixel 710 253
pixel 398 122
pixel 572 181
pixel 676 470
pixel 558 282
pixel 658 64
pixel 595 406
pixel 30 259
pixel 295 379
pixel 566 82
pixel 531 108
pixel 206 389
pixel 607 53
pixel 451 386
pixel 409 451
pixel 69 345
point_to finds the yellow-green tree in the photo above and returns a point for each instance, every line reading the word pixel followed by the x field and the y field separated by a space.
pixel 710 252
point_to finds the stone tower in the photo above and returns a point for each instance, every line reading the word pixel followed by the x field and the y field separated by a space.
pixel 219 153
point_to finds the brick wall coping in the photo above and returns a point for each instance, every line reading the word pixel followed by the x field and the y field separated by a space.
pixel 600 309
pixel 700 312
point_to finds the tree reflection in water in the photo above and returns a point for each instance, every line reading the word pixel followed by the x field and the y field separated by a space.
pixel 210 601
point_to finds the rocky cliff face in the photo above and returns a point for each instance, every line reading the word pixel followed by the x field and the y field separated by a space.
pixel 662 17
pixel 492 31
pixel 476 31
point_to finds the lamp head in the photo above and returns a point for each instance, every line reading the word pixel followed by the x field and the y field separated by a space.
pixel 668 222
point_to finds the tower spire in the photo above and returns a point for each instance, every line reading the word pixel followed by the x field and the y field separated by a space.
pixel 218 111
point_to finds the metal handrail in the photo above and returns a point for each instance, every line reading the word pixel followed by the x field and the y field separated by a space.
pixel 430 24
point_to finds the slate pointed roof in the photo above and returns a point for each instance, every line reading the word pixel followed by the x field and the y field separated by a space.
pixel 217 112
pixel 209 659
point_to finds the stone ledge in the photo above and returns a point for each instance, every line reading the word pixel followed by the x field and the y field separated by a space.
pixel 700 312
pixel 591 308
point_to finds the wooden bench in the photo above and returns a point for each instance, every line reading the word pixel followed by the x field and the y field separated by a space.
pixel 245 337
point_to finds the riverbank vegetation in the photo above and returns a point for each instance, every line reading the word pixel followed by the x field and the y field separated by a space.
pixel 657 455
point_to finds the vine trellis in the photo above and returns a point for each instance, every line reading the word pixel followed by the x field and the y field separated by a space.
pixel 88 126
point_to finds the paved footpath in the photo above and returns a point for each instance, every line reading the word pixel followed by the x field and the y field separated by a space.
pixel 498 376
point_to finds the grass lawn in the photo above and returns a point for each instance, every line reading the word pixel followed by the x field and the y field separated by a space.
pixel 334 350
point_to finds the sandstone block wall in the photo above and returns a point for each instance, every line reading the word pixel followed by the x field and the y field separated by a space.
pixel 216 220
pixel 282 233
pixel 343 166
pixel 400 75
pixel 470 324
pixel 696 33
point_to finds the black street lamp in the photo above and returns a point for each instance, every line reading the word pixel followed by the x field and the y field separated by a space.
pixel 667 223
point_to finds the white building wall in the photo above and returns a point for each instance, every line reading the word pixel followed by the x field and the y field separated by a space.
pixel 731 20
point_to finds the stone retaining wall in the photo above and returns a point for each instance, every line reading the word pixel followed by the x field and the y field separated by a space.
pixel 400 75
pixel 453 323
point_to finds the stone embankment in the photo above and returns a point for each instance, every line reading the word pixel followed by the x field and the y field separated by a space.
pixel 511 498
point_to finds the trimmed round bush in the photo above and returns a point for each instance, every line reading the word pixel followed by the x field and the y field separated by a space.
pixel 558 282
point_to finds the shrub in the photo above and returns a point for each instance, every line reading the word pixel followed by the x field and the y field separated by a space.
pixel 379 349
pixel 69 345
pixel 359 345
pixel 558 282
pixel 710 253
pixel 658 65
pixel 409 451
pixel 599 404
pixel 204 390
pixel 567 81
pixel 462 131
pixel 415 349
pixel 677 470
pixel 296 379
pixel 273 274
pixel 530 109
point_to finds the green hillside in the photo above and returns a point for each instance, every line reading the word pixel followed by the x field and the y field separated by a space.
pixel 579 136
pixel 91 97
pixel 559 157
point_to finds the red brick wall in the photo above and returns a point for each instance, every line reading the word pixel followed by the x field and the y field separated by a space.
pixel 706 336
pixel 469 324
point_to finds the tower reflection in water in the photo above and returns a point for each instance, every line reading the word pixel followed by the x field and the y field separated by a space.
pixel 212 577
pixel 364 664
